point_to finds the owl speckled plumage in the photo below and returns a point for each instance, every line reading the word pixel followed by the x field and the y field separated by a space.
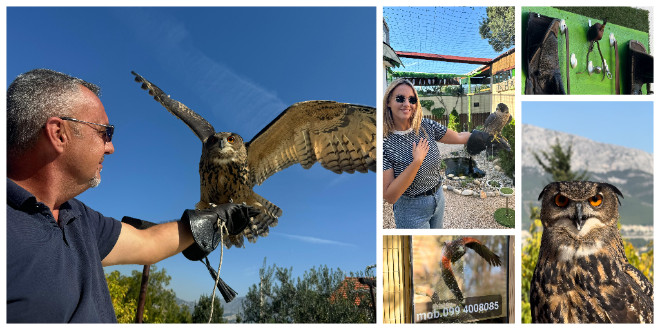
pixel 582 274
pixel 340 136
pixel 497 120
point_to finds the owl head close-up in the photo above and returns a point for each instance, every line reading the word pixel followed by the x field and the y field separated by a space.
pixel 224 146
pixel 579 208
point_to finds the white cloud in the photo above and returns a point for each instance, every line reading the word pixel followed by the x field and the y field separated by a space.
pixel 235 103
pixel 315 240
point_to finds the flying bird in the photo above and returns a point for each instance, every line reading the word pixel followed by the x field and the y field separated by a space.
pixel 340 136
pixel 582 274
pixel 454 250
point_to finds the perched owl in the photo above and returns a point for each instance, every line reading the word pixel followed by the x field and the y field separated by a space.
pixel 496 121
pixel 454 250
pixel 340 136
pixel 582 274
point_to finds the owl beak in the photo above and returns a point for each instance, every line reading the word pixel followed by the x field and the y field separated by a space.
pixel 579 218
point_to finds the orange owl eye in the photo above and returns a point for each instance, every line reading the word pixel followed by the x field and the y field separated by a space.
pixel 596 200
pixel 561 200
pixel 231 139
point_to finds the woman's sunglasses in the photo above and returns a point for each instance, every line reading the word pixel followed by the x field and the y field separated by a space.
pixel 401 99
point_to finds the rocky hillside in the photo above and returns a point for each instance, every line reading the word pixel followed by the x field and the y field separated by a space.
pixel 631 170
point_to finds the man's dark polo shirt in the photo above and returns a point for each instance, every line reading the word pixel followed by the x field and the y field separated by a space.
pixel 54 272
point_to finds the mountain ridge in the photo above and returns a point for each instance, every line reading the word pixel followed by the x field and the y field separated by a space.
pixel 593 156
pixel 631 170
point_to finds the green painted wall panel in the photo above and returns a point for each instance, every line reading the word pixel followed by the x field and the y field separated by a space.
pixel 580 81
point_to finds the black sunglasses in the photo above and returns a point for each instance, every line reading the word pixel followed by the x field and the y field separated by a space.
pixel 109 129
pixel 401 99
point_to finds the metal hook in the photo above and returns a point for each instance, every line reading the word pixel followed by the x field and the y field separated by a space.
pixel 607 71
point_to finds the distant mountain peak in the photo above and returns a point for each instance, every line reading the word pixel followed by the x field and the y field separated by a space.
pixel 590 155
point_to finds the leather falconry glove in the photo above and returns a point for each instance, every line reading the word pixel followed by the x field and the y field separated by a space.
pixel 480 141
pixel 207 232
pixel 204 225
pixel 206 229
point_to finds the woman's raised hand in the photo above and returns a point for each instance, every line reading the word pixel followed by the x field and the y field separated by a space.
pixel 420 150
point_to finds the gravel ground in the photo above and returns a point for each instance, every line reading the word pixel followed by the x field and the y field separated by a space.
pixel 464 212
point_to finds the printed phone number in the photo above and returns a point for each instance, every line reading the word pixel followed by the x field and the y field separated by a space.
pixel 481 307
pixel 471 309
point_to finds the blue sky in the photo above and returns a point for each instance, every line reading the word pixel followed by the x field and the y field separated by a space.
pixel 239 68
pixel 438 30
pixel 628 124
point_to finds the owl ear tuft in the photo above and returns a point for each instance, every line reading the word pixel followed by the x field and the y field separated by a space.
pixel 546 189
pixel 615 189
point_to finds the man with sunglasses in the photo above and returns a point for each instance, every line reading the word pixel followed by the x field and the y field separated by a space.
pixel 58 135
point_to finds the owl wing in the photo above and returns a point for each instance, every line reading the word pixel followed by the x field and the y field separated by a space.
pixel 633 301
pixel 202 128
pixel 492 258
pixel 639 279
pixel 340 136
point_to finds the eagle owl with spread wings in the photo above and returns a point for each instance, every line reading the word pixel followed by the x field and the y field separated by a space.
pixel 340 136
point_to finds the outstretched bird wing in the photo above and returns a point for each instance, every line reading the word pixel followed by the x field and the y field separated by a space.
pixel 340 136
pixel 474 244
pixel 202 128
pixel 449 278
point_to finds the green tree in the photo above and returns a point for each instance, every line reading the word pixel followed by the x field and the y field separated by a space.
pixel 322 295
pixel 454 122
pixel 529 258
pixel 438 112
pixel 123 304
pixel 640 260
pixel 202 310
pixel 160 303
pixel 559 163
pixel 428 104
pixel 499 27
pixel 257 306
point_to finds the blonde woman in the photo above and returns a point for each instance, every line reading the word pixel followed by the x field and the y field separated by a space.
pixel 412 177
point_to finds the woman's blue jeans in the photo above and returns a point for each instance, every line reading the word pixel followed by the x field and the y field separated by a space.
pixel 421 212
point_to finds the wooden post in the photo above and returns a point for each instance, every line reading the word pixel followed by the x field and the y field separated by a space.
pixel 397 289
pixel 139 314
